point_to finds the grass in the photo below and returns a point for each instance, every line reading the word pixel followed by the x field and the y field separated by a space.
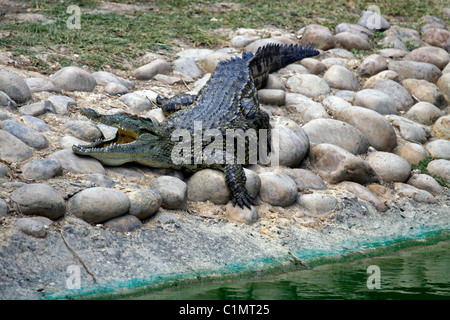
pixel 422 166
pixel 113 38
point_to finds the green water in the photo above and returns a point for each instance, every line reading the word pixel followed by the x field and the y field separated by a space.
pixel 421 272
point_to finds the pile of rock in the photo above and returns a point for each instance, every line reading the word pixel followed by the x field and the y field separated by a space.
pixel 343 123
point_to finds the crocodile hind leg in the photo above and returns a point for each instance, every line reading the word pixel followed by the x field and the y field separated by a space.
pixel 176 103
pixel 235 178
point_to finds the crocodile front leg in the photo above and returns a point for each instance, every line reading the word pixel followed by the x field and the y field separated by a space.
pixel 235 178
pixel 176 103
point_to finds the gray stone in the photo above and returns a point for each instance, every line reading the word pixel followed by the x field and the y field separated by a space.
pixel 305 179
pixel 31 137
pixel 376 128
pixel 444 85
pixel 375 100
pixel 440 167
pixel 402 98
pixel 414 193
pixel 389 167
pixel 100 180
pixel 405 35
pixel 37 109
pixel 172 190
pixel 415 70
pixel 115 89
pixel 425 91
pixel 136 102
pixel 338 133
pixel 335 103
pixel 307 108
pixel 77 164
pixel 339 77
pixel 42 84
pixel 395 43
pixel 148 71
pixel 427 183
pixel 313 66
pixel 36 123
pixel 372 65
pixel 195 54
pixel 351 41
pixel 39 199
pixel 308 84
pixel 318 36
pixel 277 189
pixel 241 41
pixel 441 128
pixel 15 87
pixel 6 101
pixel 74 79
pixel 434 55
pixel 335 164
pixel 3 208
pixel 13 149
pixel 365 194
pixel 31 227
pixel 126 223
pixel 3 170
pixel 210 62
pixel 437 37
pixel 393 53
pixel 439 148
pixel 97 205
pixel 272 97
pixel 424 113
pixel 187 67
pixel 373 21
pixel 84 130
pixel 317 204
pixel 409 130
pixel 41 169
pixel 412 152
pixel 144 203
pixel 62 104
pixel 103 78
pixel 241 215
pixel 353 28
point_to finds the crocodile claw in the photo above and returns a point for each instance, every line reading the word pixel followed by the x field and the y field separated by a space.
pixel 243 199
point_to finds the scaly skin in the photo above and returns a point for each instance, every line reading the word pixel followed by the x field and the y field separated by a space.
pixel 229 101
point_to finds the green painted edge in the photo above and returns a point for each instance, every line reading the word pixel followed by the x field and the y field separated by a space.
pixel 260 267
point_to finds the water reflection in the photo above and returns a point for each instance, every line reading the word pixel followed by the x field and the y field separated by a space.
pixel 414 273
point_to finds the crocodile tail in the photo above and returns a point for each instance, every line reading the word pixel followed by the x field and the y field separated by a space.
pixel 273 57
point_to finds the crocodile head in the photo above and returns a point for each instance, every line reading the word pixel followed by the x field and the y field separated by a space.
pixel 137 139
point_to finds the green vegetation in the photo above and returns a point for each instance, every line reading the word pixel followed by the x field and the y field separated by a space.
pixel 114 38
pixel 422 166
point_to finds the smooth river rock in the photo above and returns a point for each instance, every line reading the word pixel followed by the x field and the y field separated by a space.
pixel 172 190
pixel 74 79
pixel 277 189
pixel 389 167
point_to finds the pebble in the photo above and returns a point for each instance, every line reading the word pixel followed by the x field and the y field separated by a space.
pixel 100 180
pixel 335 103
pixel 241 41
pixel 313 66
pixel 393 53
pixel 337 133
pixel 241 215
pixel 74 79
pixel 307 108
pixel 305 179
pixel 340 53
pixel 136 102
pixel 444 85
pixel 441 128
pixel 37 109
pixel 195 54
pixel 434 55
pixel 424 113
pixel 309 85
pixel 437 37
pixel 41 169
pixel 36 123
pixel 414 193
pixel 383 75
pixel 351 41
pixel 84 130
pixel 148 71
pixel 6 101
pixel 372 65
pixel 439 148
pixel 335 164
pixel 425 91
pixel 365 194
pixel 173 192
pixel 373 21
pixel 13 149
pixel 415 70
pixel 115 89
pixel 210 62
pixel 126 223
pixel 3 208
pixel 15 87
pixel 409 130
pixel 31 227
pixel 30 136
pixel 440 167
pixel 412 152
pixel 103 78
pixel 393 42
pixel 42 84
pixel 375 127
pixel 375 100
pixel 272 97
pixel 277 189
pixel 318 36
pixel 427 183
pixel 144 203
pixel 187 67
pixel 39 199
pixel 339 77
pixel 293 143
pixel 317 204
pixel 402 98
pixel 98 204
pixel 77 164
pixel 389 167
pixel 62 104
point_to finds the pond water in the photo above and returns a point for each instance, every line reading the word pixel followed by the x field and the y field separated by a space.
pixel 420 272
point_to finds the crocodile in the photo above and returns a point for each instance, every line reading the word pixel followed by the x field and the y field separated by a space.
pixel 228 101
